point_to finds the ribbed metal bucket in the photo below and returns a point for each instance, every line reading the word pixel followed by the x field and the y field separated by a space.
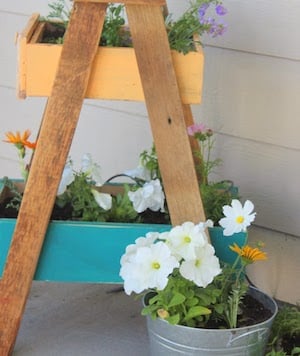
pixel 171 340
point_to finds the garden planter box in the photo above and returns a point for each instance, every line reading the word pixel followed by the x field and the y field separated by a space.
pixel 114 74
pixel 78 251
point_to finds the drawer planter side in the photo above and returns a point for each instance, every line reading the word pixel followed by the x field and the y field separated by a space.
pixel 114 76
pixel 75 251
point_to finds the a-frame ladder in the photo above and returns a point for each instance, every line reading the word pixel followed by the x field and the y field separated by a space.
pixel 167 117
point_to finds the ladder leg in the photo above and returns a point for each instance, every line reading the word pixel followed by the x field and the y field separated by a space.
pixel 166 113
pixel 55 137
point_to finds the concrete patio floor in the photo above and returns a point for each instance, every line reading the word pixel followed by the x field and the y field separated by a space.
pixel 81 319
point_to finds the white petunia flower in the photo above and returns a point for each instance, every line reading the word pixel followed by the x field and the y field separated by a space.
pixel 237 217
pixel 148 267
pixel 139 172
pixel 104 200
pixel 150 196
pixel 91 169
pixel 67 178
pixel 183 239
pixel 203 268
pixel 147 241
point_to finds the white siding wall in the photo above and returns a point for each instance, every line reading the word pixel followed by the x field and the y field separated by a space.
pixel 251 88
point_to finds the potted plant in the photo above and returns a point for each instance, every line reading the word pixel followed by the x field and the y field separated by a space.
pixel 215 195
pixel 87 206
pixel 285 332
pixel 75 249
pixel 115 64
pixel 193 303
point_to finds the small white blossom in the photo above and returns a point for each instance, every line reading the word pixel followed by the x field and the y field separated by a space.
pixel 148 267
pixel 237 217
pixel 67 178
pixel 147 241
pixel 150 196
pixel 185 238
pixel 91 169
pixel 203 268
pixel 104 200
pixel 139 172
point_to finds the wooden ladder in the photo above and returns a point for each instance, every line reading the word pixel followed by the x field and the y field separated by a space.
pixel 168 118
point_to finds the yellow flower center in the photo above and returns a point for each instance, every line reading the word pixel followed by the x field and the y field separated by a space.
pixel 197 263
pixel 155 265
pixel 187 239
pixel 240 219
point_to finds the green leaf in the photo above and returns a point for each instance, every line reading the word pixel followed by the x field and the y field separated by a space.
pixel 197 311
pixel 174 319
pixel 177 299
pixel 192 302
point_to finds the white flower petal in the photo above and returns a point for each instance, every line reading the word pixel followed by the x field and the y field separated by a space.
pixel 237 217
pixel 92 169
pixel 203 269
pixel 185 238
pixel 104 200
pixel 66 179
pixel 150 196
pixel 147 267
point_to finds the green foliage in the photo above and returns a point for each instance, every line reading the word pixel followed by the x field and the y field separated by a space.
pixel 59 12
pixel 85 208
pixel 215 196
pixel 181 32
pixel 232 306
pixel 112 34
pixel 80 197
pixel 122 209
pixel 286 326
pixel 149 161
pixel 182 302
pixel 15 202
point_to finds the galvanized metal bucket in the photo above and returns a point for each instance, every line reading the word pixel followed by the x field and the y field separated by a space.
pixel 172 340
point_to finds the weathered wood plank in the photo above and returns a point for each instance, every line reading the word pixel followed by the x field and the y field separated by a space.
pixel 56 133
pixel 165 112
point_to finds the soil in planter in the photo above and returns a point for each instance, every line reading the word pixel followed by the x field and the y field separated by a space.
pixel 252 312
pixel 52 33
pixel 65 213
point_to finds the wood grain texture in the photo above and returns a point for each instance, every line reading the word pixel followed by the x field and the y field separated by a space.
pixel 165 112
pixel 58 126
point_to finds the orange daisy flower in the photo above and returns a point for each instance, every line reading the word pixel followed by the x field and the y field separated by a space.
pixel 249 254
pixel 19 139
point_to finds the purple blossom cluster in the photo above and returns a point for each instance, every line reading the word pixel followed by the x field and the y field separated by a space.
pixel 215 28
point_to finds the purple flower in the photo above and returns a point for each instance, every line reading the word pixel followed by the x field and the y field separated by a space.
pixel 220 10
pixel 196 128
pixel 217 29
pixel 202 9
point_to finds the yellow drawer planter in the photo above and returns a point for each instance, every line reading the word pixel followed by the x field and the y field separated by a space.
pixel 114 74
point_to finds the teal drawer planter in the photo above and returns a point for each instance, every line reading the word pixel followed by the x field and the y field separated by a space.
pixel 87 252
pixel 80 251
pixel 221 243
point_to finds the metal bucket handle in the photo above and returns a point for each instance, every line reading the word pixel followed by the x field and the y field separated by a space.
pixel 261 332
